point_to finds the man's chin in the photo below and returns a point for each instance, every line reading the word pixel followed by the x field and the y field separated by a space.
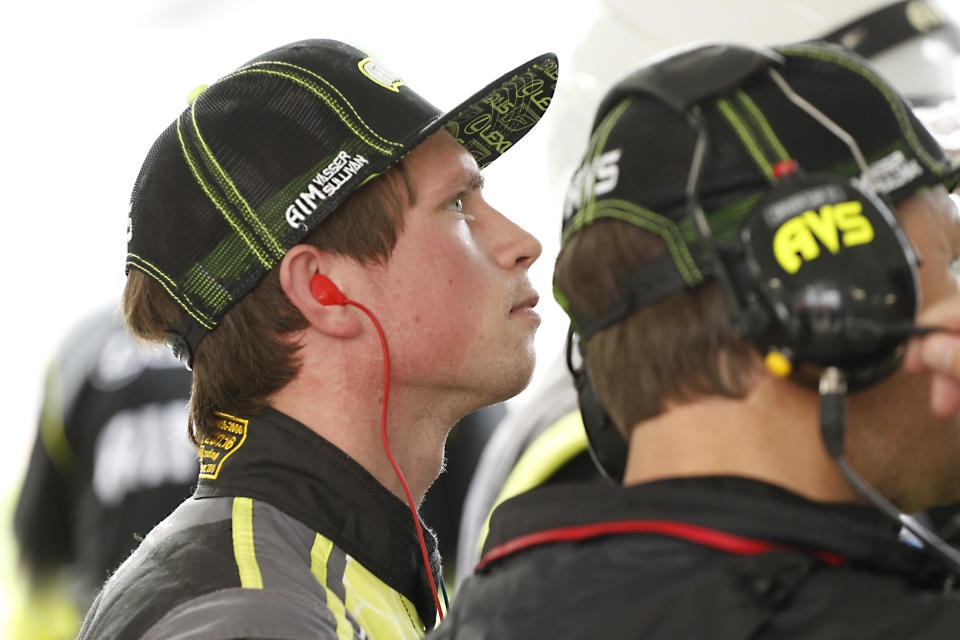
pixel 516 379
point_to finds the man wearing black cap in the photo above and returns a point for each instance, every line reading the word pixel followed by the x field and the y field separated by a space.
pixel 311 238
pixel 749 229
pixel 914 44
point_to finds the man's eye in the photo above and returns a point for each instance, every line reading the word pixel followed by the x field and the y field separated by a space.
pixel 456 205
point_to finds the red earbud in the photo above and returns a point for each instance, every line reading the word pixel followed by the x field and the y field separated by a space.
pixel 325 291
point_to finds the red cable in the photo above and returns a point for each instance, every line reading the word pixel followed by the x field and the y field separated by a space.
pixel 700 535
pixel 386 447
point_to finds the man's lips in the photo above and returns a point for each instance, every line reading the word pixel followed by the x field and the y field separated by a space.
pixel 526 305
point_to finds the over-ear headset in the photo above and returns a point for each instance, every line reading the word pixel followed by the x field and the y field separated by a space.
pixel 821 274
pixel 605 445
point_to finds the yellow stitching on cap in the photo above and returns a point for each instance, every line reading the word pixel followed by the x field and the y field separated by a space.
pixel 148 268
pixel 646 219
pixel 160 273
pixel 338 109
pixel 216 201
pixel 895 104
pixel 745 138
pixel 244 206
pixel 761 123
pixel 196 93
pixel 342 97
pixel 604 131
pixel 186 305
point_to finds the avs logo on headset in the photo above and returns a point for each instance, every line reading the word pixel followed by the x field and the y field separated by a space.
pixel 805 219
pixel 799 239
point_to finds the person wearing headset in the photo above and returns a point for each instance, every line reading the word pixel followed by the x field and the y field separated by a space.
pixel 915 44
pixel 310 237
pixel 746 245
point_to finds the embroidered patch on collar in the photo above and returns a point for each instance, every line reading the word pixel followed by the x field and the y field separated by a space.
pixel 229 436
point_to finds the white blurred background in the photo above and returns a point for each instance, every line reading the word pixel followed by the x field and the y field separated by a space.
pixel 88 86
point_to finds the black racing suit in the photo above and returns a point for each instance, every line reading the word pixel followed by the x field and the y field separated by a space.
pixel 285 537
pixel 111 457
pixel 716 557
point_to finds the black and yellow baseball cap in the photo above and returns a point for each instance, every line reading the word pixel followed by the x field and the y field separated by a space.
pixel 263 155
pixel 638 161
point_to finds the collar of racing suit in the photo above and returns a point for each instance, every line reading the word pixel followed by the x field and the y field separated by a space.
pixel 732 514
pixel 282 462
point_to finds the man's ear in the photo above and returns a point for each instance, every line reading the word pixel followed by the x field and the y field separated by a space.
pixel 297 269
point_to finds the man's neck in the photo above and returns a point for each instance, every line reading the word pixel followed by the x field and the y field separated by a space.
pixel 347 410
pixel 772 435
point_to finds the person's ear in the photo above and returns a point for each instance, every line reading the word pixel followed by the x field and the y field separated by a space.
pixel 297 270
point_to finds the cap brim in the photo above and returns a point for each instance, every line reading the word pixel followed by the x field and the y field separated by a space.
pixel 492 120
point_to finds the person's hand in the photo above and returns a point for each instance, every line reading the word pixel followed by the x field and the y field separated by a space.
pixel 939 353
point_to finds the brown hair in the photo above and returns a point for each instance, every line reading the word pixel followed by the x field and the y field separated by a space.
pixel 677 348
pixel 248 356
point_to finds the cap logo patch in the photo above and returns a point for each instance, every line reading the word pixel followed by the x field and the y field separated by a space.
pixel 893 171
pixel 595 178
pixel 341 170
pixel 229 436
pixel 381 75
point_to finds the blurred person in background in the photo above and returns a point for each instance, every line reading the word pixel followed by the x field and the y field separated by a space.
pixel 751 234
pixel 304 211
pixel 915 44
pixel 111 459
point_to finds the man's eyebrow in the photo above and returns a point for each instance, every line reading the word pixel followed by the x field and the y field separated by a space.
pixel 466 182
pixel 474 181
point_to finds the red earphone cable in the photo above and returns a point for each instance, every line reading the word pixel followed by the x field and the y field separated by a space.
pixel 386 447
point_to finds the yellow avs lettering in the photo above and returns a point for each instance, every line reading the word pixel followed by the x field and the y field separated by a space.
pixel 796 239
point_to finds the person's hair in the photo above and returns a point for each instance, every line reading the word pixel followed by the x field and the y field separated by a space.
pixel 678 348
pixel 248 357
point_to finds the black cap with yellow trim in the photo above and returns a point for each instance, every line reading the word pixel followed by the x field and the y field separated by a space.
pixel 638 162
pixel 267 152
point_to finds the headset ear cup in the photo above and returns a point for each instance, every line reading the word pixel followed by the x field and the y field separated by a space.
pixel 606 446
pixel 831 264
